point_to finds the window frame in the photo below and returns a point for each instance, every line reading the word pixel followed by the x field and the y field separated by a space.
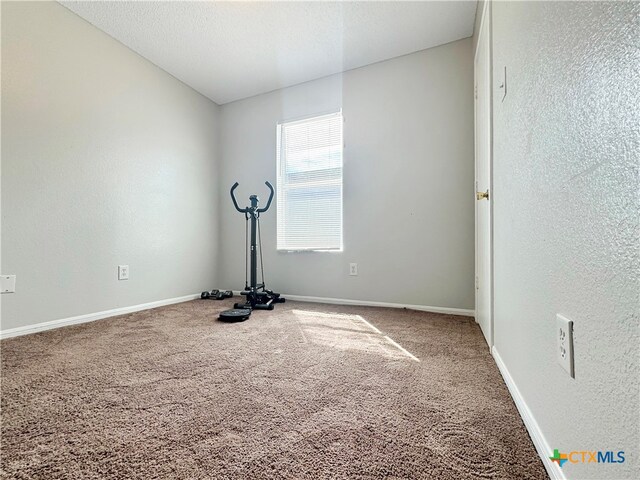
pixel 302 119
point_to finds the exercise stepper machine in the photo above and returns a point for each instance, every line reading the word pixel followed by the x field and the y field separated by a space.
pixel 257 295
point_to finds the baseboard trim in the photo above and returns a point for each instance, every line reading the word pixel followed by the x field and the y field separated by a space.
pixel 367 303
pixel 539 440
pixel 90 317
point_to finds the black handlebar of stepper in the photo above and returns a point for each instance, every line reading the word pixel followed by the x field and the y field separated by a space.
pixel 262 210
pixel 233 197
pixel 245 210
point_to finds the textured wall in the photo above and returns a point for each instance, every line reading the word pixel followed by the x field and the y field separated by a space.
pixel 566 193
pixel 408 181
pixel 106 160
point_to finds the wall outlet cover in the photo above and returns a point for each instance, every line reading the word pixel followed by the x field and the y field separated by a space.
pixel 353 269
pixel 123 272
pixel 8 284
pixel 564 333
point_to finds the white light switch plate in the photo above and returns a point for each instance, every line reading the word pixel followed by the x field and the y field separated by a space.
pixel 564 334
pixel 8 284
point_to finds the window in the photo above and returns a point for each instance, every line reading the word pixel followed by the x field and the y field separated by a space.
pixel 310 183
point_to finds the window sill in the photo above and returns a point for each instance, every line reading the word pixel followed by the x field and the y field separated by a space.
pixel 310 251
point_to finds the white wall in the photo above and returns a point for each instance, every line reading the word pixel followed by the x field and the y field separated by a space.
pixel 408 181
pixel 566 193
pixel 106 160
pixel 476 24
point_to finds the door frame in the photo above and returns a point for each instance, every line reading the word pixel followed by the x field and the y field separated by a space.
pixel 485 17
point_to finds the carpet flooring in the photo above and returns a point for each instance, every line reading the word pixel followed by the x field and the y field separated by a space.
pixel 306 391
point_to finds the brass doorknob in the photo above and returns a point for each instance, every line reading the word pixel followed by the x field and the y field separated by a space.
pixel 481 195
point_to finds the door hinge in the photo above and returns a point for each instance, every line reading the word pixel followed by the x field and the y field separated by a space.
pixel 477 283
pixel 475 92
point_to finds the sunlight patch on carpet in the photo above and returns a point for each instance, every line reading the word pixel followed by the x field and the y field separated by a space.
pixel 348 332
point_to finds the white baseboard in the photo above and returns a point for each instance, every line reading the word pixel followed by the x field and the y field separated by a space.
pixel 539 440
pixel 90 317
pixel 367 303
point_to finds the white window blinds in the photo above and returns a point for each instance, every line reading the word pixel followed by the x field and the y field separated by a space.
pixel 310 183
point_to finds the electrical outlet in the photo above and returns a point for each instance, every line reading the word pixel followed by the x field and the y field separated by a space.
pixel 123 272
pixel 353 269
pixel 8 284
pixel 564 332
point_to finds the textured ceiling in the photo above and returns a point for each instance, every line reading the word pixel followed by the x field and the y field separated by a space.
pixel 232 50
